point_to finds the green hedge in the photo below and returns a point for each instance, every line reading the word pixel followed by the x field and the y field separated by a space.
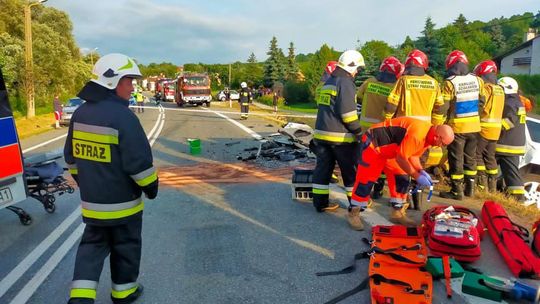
pixel 297 92
pixel 269 100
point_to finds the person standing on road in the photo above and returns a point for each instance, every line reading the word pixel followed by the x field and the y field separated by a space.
pixel 372 96
pixel 57 111
pixel 245 100
pixel 465 95
pixel 337 131
pixel 511 143
pixel 490 127
pixel 397 144
pixel 139 97
pixel 109 157
pixel 275 99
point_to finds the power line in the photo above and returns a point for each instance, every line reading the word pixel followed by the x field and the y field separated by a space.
pixel 502 23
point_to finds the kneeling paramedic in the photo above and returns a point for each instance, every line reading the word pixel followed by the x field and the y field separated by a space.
pixel 109 157
pixel 396 144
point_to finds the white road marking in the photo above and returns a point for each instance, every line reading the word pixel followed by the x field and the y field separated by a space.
pixel 43 143
pixel 236 123
pixel 30 288
pixel 282 114
pixel 31 258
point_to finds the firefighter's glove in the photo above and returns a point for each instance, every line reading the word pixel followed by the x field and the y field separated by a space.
pixel 422 181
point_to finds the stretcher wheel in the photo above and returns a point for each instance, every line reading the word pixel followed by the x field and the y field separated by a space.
pixel 70 190
pixel 48 203
pixel 25 219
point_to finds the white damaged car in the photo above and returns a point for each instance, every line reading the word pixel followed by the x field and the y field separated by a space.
pixel 530 162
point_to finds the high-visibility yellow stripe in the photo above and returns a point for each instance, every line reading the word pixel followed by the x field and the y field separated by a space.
pixel 465 119
pixel 329 92
pixel 83 293
pixel 333 138
pixel 123 294
pixel 510 149
pixel 73 170
pixel 481 168
pixel 506 124
pixel 147 180
pixel 469 172
pixel 457 176
pixel 111 215
pixel 350 118
pixel 516 191
pixel 99 138
pixel 490 124
pixel 321 191
pixel 492 171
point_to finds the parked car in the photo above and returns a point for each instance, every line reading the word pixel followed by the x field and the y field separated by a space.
pixel 234 95
pixel 69 108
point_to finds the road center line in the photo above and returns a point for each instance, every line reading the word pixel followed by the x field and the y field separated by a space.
pixel 43 143
pixel 241 126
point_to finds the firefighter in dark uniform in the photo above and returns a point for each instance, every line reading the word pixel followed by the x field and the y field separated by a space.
pixel 511 144
pixel 490 124
pixel 337 131
pixel 463 94
pixel 109 157
pixel 245 100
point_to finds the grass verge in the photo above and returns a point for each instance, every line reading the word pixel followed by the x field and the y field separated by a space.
pixel 35 125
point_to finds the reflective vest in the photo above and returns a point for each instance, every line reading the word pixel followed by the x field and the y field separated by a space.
pixel 512 139
pixel 109 156
pixel 491 114
pixel 417 97
pixel 337 119
pixel 245 97
pixel 373 95
pixel 463 93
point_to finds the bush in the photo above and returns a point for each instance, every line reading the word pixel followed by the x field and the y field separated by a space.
pixel 297 92
pixel 529 84
pixel 269 100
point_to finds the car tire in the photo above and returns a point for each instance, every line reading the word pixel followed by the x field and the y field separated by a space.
pixel 222 99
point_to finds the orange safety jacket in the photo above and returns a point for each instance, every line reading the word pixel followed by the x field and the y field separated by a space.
pixel 372 95
pixel 491 114
pixel 418 97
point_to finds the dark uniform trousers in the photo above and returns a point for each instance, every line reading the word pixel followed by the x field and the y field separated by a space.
pixel 244 108
pixel 462 156
pixel 510 172
pixel 122 242
pixel 486 163
pixel 346 156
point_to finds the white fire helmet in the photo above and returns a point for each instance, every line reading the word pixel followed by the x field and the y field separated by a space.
pixel 351 60
pixel 243 85
pixel 509 85
pixel 110 68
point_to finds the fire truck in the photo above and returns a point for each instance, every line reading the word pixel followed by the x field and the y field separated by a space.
pixel 193 88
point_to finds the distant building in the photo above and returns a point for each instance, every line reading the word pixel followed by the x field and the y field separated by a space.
pixel 523 59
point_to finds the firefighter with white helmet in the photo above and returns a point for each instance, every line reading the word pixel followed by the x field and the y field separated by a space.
pixel 511 143
pixel 337 132
pixel 109 157
pixel 245 99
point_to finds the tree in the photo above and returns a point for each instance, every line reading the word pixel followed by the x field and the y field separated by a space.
pixel 429 44
pixel 461 24
pixel 292 67
pixel 273 66
pixel 498 39
pixel 252 58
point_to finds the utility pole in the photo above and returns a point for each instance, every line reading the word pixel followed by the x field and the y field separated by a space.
pixel 29 62
pixel 230 100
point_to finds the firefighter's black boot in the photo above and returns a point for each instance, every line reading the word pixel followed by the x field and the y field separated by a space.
pixel 492 183
pixel 456 192
pixel 378 188
pixel 469 186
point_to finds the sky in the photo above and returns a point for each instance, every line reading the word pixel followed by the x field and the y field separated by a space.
pixel 213 31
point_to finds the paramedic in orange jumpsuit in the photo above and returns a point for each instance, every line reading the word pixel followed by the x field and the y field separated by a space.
pixel 396 144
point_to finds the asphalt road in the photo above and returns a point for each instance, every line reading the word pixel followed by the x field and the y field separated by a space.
pixel 237 239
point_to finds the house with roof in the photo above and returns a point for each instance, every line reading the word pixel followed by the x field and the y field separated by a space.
pixel 523 59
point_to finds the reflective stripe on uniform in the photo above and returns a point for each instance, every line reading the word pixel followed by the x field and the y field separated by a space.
pixel 73 168
pixel 492 171
pixel 97 134
pixel 481 168
pixel 515 190
pixel 333 136
pixel 360 204
pixel 465 119
pixel 507 124
pixel 456 176
pixel 350 116
pixel 83 289
pixel 329 89
pixel 145 177
pixel 423 118
pixel 469 172
pixel 121 291
pixel 510 149
pixel 349 190
pixel 111 211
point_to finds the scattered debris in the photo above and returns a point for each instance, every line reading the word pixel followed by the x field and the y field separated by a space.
pixel 289 144
pixel 232 143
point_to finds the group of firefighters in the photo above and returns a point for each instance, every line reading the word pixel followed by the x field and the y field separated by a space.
pixel 404 114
